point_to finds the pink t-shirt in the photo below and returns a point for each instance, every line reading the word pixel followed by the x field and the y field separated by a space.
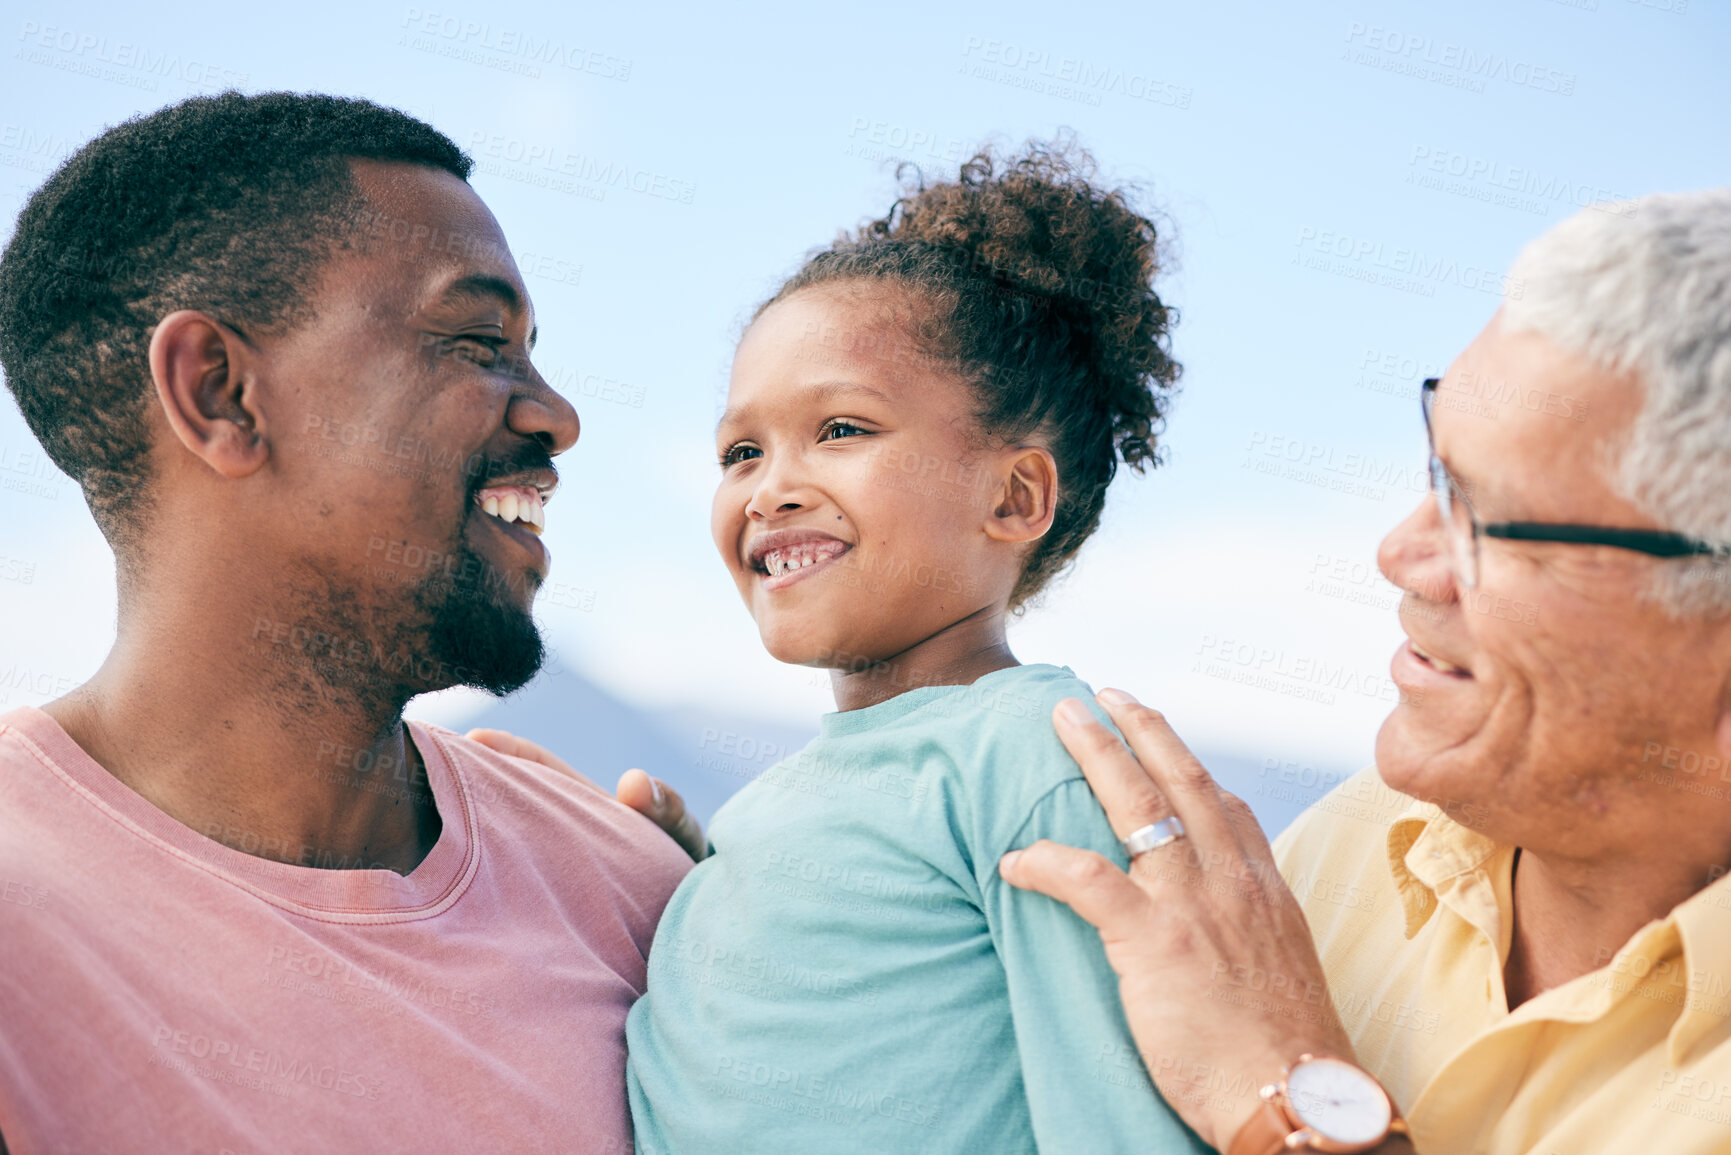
pixel 162 992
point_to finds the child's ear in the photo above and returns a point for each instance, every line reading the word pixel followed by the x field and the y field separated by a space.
pixel 208 389
pixel 1028 499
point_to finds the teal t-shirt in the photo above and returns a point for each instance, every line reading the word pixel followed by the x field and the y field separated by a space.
pixel 847 972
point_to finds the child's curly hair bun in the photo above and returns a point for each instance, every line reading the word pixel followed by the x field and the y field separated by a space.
pixel 1042 285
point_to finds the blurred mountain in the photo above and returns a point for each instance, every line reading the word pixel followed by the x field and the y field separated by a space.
pixel 706 756
pixel 703 755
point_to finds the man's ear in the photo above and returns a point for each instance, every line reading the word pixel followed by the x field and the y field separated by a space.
pixel 205 379
pixel 1028 498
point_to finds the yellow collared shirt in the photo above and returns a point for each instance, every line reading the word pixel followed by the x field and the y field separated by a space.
pixel 1412 917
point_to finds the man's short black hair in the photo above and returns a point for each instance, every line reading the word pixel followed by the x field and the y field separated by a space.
pixel 228 204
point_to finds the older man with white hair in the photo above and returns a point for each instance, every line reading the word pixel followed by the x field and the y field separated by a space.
pixel 1518 922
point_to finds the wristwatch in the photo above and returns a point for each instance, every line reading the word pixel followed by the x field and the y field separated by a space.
pixel 1320 1104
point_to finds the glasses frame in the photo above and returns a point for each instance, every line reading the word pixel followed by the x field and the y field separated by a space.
pixel 1446 490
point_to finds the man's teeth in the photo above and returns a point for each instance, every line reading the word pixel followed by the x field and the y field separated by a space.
pixel 1445 667
pixel 519 506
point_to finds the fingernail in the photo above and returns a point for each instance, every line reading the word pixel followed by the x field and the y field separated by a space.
pixel 1117 697
pixel 1008 862
pixel 1074 712
pixel 655 791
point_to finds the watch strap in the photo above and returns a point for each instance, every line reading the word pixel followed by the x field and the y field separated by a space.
pixel 1264 1133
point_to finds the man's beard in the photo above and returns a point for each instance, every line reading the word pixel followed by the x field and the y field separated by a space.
pixel 473 633
pixel 379 641
pixel 454 626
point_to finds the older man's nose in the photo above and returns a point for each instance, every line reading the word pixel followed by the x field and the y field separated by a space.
pixel 1414 557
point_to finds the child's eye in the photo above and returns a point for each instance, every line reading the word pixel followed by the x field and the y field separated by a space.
pixel 738 452
pixel 838 428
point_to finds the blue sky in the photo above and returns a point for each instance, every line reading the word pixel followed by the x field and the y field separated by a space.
pixel 1346 184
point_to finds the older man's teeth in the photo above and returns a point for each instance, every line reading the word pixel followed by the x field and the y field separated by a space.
pixel 490 504
pixel 1445 667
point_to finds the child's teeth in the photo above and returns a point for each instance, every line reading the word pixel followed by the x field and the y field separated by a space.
pixel 778 562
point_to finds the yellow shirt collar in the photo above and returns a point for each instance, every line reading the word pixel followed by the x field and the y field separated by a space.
pixel 1428 852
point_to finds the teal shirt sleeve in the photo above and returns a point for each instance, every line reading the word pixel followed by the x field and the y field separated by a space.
pixel 1087 1089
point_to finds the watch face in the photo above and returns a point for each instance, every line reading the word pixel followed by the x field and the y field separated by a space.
pixel 1338 1101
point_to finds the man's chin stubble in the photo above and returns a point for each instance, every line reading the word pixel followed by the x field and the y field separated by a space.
pixel 482 639
pixel 486 639
pixel 369 651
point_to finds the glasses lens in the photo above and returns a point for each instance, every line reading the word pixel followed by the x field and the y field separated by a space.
pixel 1457 520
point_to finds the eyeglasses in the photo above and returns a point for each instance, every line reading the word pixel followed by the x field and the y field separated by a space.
pixel 1465 529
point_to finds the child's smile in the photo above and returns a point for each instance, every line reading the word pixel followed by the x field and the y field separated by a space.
pixel 860 507
pixel 784 556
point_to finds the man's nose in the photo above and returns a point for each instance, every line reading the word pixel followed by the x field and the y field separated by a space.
pixel 539 412
pixel 1414 557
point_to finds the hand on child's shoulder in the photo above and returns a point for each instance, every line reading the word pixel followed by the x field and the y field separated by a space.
pixel 650 797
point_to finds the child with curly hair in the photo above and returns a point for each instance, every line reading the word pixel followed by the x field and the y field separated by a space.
pixel 920 429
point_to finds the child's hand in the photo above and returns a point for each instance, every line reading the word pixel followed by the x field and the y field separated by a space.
pixel 506 742
pixel 648 796
pixel 662 805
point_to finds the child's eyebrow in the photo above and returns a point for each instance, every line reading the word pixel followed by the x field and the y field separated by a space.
pixel 811 394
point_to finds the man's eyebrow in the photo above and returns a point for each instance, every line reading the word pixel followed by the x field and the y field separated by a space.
pixel 481 287
pixel 814 394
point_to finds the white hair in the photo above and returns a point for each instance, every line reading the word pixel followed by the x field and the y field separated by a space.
pixel 1645 285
